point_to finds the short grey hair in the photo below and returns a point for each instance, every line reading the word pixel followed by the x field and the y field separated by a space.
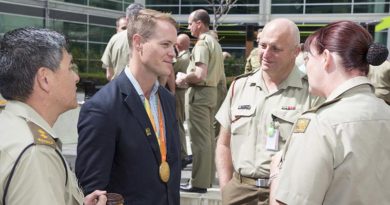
pixel 133 9
pixel 22 52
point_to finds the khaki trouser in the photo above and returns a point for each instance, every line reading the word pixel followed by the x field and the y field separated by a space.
pixel 222 90
pixel 180 116
pixel 238 193
pixel 201 109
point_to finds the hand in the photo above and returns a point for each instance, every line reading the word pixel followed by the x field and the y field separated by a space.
pixel 180 80
pixel 96 198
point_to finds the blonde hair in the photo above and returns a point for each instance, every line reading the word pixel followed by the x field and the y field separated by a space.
pixel 144 23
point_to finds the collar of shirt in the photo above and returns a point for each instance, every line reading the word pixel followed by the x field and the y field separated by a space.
pixel 137 87
pixel 153 100
pixel 353 82
pixel 24 111
pixel 294 79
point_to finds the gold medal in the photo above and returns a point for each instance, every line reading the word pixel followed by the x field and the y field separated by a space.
pixel 164 171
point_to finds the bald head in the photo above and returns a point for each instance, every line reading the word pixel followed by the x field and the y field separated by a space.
pixel 278 48
pixel 283 28
pixel 183 42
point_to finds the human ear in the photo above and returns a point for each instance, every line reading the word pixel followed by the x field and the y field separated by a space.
pixel 42 78
pixel 137 42
pixel 328 60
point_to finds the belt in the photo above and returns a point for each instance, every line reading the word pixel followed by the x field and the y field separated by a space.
pixel 260 182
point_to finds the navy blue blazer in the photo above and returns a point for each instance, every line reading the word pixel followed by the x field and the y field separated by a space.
pixel 115 153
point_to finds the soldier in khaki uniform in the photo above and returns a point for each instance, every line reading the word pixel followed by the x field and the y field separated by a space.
pixel 380 78
pixel 203 75
pixel 121 24
pixel 33 170
pixel 338 152
pixel 258 114
pixel 117 52
pixel 253 60
pixel 182 61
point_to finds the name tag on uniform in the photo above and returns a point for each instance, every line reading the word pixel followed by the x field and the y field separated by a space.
pixel 244 107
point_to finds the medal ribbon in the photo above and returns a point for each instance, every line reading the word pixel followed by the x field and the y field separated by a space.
pixel 161 135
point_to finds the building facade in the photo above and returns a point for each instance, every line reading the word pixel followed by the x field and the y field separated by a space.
pixel 89 24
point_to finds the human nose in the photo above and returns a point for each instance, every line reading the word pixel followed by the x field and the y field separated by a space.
pixel 77 77
pixel 265 52
pixel 171 52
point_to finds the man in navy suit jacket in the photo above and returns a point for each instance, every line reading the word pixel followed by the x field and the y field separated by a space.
pixel 126 126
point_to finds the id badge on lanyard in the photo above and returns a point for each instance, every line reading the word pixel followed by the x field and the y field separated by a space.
pixel 272 143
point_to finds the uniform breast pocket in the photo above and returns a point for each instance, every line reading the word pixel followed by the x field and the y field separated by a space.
pixel 242 118
pixel 284 121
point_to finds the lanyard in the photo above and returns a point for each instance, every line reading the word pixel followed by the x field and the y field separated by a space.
pixel 161 135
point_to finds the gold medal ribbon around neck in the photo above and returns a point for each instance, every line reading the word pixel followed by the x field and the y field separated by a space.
pixel 164 166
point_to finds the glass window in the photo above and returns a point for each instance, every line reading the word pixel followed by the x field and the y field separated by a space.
pixel 377 1
pixel 83 2
pixel 167 2
pixel 95 66
pixel 236 10
pixel 328 1
pixel 287 9
pixel 187 9
pixel 78 49
pixel 100 33
pixel 74 31
pixel 373 8
pixel 244 10
pixel 96 51
pixel 287 1
pixel 10 22
pixel 81 64
pixel 168 9
pixel 328 9
pixel 79 53
pixel 183 2
pixel 111 4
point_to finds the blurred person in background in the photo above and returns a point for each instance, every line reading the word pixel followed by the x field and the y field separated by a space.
pixel 380 78
pixel 116 55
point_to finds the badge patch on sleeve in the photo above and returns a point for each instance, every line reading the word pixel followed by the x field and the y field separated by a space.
pixel 301 125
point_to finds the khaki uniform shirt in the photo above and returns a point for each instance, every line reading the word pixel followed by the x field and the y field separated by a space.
pixel 339 152
pixel 253 61
pixel 208 51
pixel 249 111
pixel 40 176
pixel 116 54
pixel 380 78
pixel 182 61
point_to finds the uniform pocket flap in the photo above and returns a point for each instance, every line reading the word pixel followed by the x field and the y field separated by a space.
pixel 286 115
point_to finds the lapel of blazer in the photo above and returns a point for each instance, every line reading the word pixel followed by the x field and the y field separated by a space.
pixel 134 104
